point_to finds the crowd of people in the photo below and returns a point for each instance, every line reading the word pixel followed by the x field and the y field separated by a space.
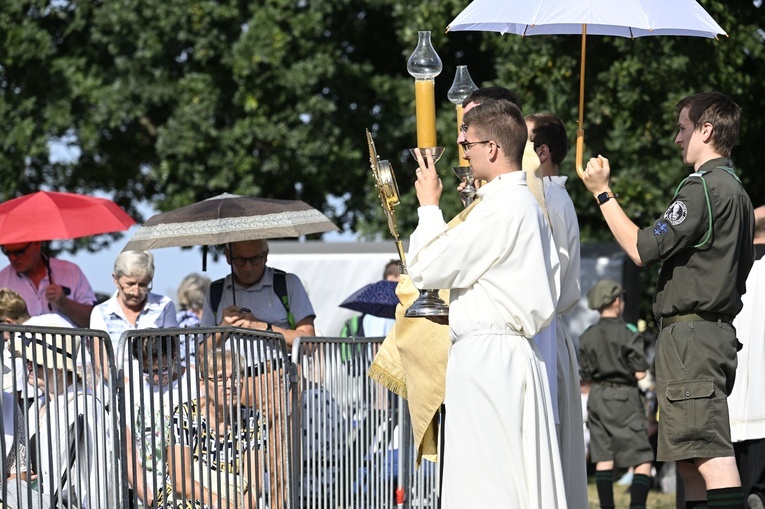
pixel 513 432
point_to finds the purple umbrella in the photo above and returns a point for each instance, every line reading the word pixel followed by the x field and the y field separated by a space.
pixel 377 299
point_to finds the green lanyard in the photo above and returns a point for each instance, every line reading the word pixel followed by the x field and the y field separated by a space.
pixel 706 196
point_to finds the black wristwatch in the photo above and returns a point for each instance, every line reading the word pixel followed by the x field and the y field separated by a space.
pixel 604 197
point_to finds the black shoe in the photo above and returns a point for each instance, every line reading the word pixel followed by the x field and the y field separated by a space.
pixel 755 501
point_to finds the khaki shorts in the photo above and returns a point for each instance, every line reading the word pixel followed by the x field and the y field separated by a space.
pixel 617 423
pixel 695 370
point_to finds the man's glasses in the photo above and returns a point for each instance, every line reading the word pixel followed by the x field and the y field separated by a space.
pixel 240 261
pixel 467 145
pixel 16 253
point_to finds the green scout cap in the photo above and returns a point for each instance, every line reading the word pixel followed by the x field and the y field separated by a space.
pixel 603 293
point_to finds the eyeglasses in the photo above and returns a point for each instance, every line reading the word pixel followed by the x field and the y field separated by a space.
pixel 467 145
pixel 463 128
pixel 142 287
pixel 240 261
pixel 16 253
pixel 222 379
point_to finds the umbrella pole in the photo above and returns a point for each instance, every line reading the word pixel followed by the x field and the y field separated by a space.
pixel 580 130
pixel 233 276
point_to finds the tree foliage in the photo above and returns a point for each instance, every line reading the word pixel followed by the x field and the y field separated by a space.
pixel 173 101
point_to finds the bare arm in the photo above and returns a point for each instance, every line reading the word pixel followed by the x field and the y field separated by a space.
pixel 137 483
pixel 76 312
pixel 625 232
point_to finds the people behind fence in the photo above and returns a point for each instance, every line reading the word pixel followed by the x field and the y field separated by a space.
pixel 157 382
pixel 191 299
pixel 218 445
pixel 13 310
pixel 612 359
pixel 266 298
pixel 72 432
pixel 500 447
pixel 47 285
pixel 133 305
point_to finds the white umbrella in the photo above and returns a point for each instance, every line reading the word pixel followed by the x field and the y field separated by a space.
pixel 623 18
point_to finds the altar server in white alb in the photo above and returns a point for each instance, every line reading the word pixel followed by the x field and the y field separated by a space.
pixel 548 136
pixel 500 448
pixel 745 403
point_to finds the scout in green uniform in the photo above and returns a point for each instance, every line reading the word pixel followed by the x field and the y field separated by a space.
pixel 704 240
pixel 612 357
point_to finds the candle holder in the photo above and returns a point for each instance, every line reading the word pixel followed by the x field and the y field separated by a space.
pixel 424 65
pixel 462 86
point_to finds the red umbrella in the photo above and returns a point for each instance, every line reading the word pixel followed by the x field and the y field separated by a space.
pixel 47 215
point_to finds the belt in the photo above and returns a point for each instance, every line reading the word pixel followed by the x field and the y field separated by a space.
pixel 615 384
pixel 695 317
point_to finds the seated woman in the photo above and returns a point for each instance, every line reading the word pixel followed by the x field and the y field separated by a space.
pixel 215 457
pixel 157 383
pixel 73 433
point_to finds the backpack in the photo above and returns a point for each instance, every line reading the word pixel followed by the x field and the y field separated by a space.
pixel 280 289
pixel 353 327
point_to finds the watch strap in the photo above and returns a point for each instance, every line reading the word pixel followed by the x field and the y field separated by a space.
pixel 604 197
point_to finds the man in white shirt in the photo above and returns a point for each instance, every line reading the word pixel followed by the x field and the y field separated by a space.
pixel 500 446
pixel 548 135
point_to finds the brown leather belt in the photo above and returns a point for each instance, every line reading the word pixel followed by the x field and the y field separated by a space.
pixel 695 317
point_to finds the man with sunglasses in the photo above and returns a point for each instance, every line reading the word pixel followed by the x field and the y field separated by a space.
pixel 259 304
pixel 47 285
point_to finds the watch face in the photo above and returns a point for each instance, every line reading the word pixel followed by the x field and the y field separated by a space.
pixel 603 197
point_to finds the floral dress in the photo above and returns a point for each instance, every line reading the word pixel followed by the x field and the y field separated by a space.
pixel 218 452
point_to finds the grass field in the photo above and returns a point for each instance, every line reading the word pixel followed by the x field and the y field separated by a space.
pixel 656 500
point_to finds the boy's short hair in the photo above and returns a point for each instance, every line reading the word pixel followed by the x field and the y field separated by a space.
pixel 719 110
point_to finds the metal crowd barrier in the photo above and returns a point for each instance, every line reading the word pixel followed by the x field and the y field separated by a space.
pixel 207 418
pixel 190 417
pixel 355 442
pixel 62 444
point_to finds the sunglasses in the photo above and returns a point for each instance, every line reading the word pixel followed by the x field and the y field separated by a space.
pixel 16 253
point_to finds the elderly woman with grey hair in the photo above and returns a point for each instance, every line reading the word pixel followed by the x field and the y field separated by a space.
pixel 133 305
pixel 191 299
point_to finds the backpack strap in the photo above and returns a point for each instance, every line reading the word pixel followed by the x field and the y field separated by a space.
pixel 216 292
pixel 353 327
pixel 280 289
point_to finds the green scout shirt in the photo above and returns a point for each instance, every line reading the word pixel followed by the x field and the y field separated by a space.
pixel 610 352
pixel 699 276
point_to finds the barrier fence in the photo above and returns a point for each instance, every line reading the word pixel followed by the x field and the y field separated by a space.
pixel 202 418
pixel 61 446
pixel 356 447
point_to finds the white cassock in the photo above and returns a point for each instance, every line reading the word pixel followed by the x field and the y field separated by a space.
pixel 565 232
pixel 745 403
pixel 500 448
